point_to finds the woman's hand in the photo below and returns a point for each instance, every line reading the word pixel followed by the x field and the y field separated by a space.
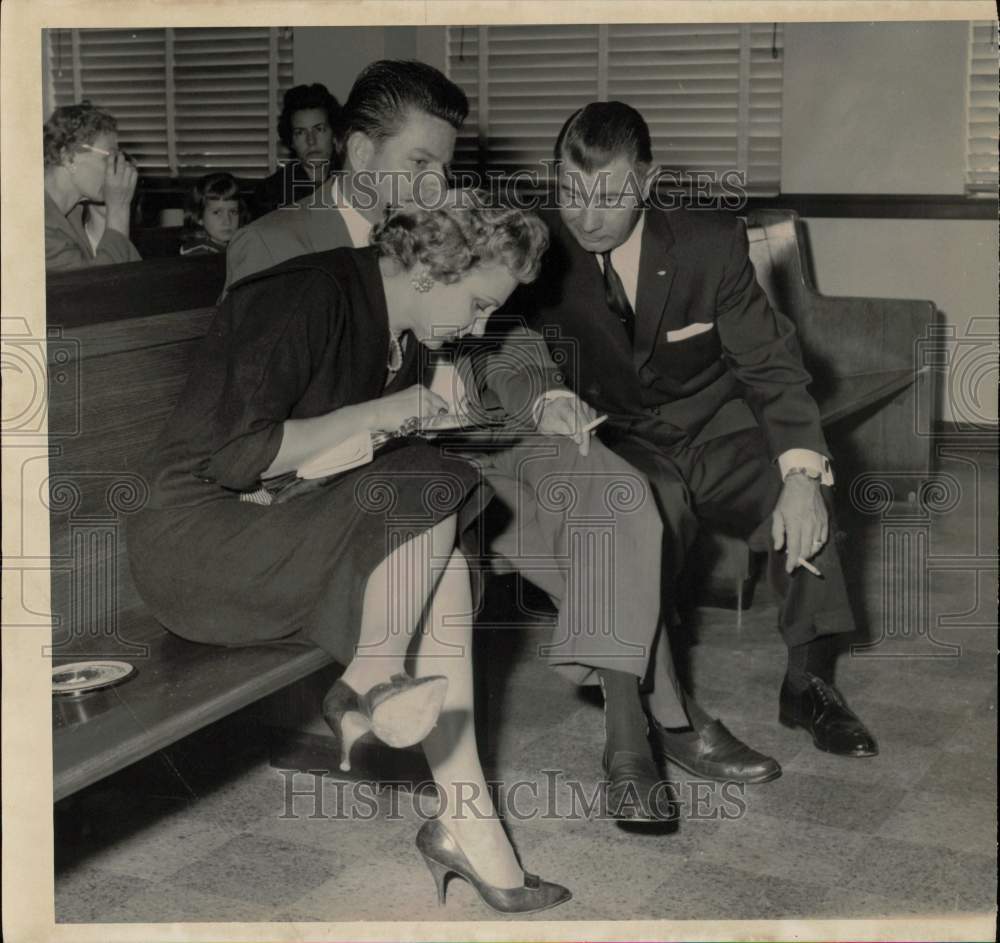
pixel 390 412
pixel 120 179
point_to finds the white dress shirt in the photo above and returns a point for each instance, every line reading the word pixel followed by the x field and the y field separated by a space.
pixel 358 228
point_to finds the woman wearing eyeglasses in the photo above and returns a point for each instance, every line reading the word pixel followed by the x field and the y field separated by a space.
pixel 85 171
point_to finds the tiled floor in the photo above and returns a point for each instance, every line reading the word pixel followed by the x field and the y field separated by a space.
pixel 196 834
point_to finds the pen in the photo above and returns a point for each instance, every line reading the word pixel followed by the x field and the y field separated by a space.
pixel 593 425
pixel 810 567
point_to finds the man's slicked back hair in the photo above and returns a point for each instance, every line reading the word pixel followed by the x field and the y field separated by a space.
pixel 387 90
pixel 600 132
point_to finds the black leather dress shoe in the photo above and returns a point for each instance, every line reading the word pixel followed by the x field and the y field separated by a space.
pixel 635 792
pixel 714 753
pixel 821 709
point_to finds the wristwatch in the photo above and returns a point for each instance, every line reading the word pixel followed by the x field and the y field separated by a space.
pixel 814 474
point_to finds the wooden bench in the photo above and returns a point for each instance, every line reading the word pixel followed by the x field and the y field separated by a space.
pixel 128 333
pixel 158 242
pixel 862 355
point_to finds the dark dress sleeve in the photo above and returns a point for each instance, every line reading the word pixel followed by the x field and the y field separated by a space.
pixel 269 340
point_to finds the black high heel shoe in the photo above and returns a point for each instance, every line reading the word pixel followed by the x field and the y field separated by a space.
pixel 400 712
pixel 444 856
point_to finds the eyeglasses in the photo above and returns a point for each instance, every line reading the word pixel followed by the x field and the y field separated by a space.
pixel 99 150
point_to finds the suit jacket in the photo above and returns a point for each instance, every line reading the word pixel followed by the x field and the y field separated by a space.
pixel 695 278
pixel 311 225
pixel 288 184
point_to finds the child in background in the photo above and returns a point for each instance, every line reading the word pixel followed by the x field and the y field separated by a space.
pixel 213 213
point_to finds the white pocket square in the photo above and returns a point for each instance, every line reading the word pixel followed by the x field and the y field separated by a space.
pixel 682 334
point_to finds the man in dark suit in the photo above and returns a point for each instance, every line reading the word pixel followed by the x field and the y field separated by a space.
pixel 669 333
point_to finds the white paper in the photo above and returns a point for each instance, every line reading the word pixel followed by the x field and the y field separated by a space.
pixel 352 452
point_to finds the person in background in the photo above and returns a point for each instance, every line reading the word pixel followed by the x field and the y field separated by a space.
pixel 213 213
pixel 85 170
pixel 309 115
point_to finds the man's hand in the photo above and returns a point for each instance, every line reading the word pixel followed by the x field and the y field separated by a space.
pixel 800 522
pixel 567 415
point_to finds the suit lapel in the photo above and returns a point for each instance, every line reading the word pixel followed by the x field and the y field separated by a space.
pixel 656 275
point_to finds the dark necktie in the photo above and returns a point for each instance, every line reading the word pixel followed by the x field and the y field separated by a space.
pixel 614 294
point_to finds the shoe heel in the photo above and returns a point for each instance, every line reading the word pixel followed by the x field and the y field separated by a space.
pixel 786 719
pixel 353 726
pixel 440 874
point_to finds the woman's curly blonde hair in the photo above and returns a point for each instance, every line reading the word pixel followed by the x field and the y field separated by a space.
pixel 463 233
pixel 73 125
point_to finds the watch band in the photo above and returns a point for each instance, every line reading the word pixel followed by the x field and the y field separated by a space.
pixel 812 473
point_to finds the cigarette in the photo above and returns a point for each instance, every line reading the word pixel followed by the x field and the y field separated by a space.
pixel 594 424
pixel 810 567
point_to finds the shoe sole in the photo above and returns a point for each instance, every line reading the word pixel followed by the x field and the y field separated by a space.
pixel 404 719
pixel 521 913
pixel 620 820
pixel 752 781
pixel 644 819
pixel 794 725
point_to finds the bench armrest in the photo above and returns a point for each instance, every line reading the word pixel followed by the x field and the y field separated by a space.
pixel 845 336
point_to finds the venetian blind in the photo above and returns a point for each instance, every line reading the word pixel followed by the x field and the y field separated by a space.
pixel 187 101
pixel 710 93
pixel 981 175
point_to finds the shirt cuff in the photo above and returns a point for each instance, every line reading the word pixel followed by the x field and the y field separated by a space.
pixel 536 410
pixel 806 458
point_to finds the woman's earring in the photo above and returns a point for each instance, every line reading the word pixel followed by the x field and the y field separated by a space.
pixel 421 280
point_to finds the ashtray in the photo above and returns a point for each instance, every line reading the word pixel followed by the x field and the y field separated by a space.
pixel 82 677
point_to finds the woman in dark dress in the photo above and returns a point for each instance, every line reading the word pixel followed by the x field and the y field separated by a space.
pixel 234 549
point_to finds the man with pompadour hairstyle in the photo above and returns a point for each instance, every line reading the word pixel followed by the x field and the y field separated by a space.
pixel 397 128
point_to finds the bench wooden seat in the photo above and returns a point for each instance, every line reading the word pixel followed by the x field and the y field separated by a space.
pixel 850 395
pixel 179 688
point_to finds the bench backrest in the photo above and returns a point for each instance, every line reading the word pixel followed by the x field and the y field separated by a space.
pixel 120 342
